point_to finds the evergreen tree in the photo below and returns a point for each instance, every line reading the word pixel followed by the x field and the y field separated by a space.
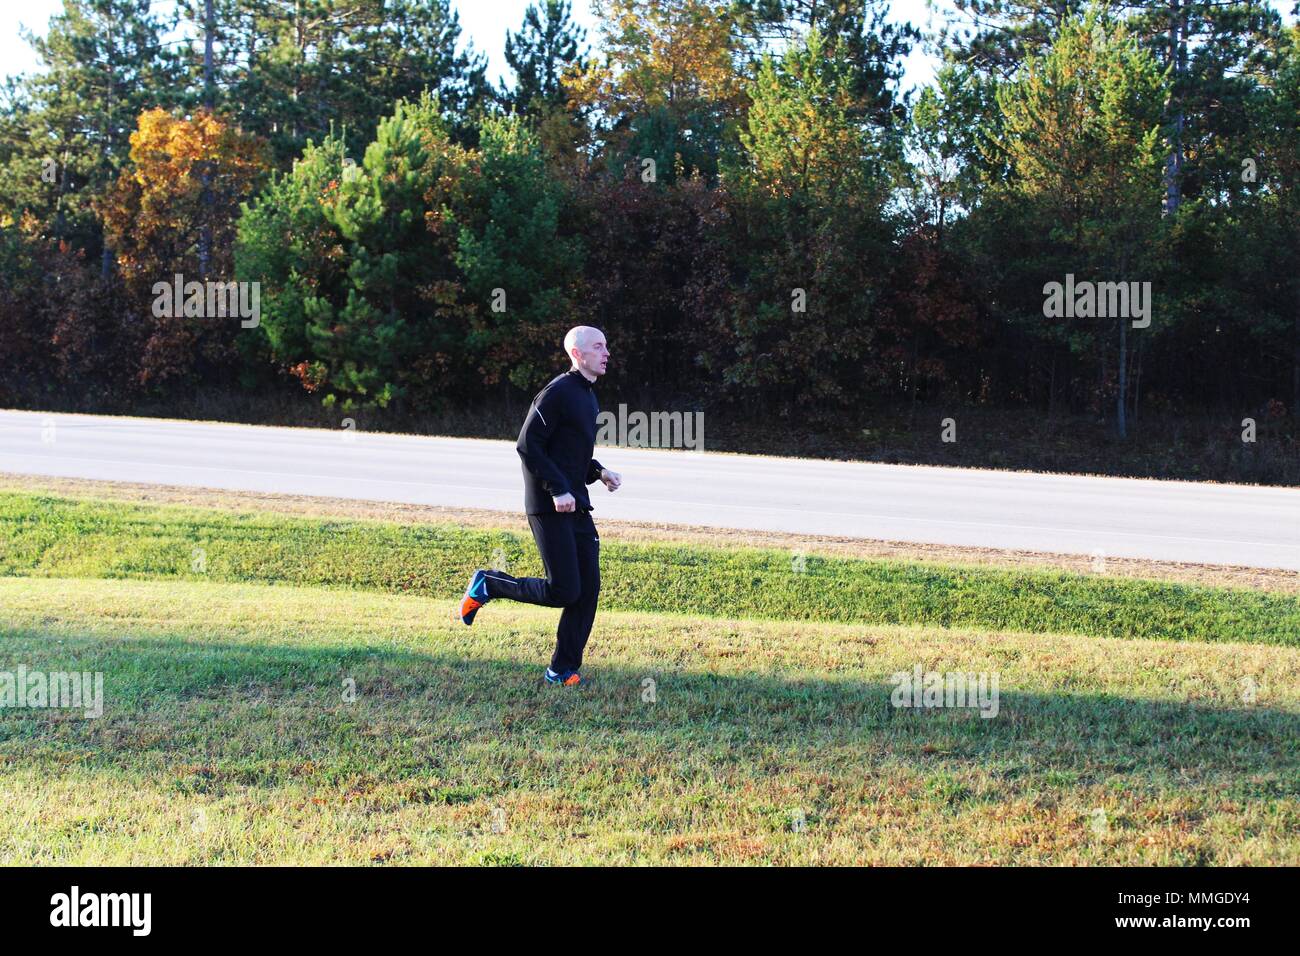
pixel 1080 133
pixel 288 244
pixel 857 30
pixel 67 126
pixel 517 268
pixel 299 69
pixel 812 237
pixel 545 55
pixel 541 53
pixel 386 339
pixel 1215 52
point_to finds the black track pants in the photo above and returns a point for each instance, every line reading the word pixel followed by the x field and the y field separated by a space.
pixel 570 550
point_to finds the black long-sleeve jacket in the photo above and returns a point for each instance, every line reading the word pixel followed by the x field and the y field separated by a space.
pixel 556 444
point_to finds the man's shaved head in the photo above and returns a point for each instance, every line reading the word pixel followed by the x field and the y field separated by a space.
pixel 592 352
pixel 579 337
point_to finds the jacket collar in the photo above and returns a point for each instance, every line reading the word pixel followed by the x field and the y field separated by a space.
pixel 582 379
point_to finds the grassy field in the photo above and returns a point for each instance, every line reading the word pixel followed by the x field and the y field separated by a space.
pixel 296 692
pixel 46 535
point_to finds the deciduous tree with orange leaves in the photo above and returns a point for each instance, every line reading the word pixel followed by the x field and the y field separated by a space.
pixel 172 210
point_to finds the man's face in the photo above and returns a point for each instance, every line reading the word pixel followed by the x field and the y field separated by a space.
pixel 595 357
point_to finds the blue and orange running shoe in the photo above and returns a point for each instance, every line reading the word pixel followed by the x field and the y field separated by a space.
pixel 565 679
pixel 475 597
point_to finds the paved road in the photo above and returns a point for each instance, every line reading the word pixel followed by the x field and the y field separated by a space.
pixel 1181 521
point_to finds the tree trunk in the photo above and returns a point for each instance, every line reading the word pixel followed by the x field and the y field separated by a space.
pixel 106 258
pixel 1177 59
pixel 1121 401
pixel 60 222
pixel 1295 369
pixel 205 230
pixel 1137 380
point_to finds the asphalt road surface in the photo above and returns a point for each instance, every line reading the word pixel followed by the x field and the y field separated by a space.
pixel 1164 520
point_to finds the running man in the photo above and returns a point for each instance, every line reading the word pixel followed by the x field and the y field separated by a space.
pixel 555 445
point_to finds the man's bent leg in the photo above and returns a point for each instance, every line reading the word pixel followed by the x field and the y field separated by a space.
pixel 561 586
pixel 575 623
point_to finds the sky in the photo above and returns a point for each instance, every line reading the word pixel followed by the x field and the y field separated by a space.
pixel 483 22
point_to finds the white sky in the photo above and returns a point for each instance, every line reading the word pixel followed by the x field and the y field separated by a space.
pixel 484 22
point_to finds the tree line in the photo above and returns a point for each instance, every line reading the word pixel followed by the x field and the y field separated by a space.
pixel 1092 207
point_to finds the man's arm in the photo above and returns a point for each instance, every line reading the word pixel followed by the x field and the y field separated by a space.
pixel 593 472
pixel 534 439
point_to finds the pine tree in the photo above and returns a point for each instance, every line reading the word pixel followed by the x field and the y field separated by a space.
pixel 1215 51
pixel 541 53
pixel 298 69
pixel 857 30
pixel 812 234
pixel 68 125
pixel 517 267
pixel 1080 132
pixel 365 302
pixel 288 244
pixel 546 56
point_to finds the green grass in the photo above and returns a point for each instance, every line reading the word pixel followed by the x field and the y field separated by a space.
pixel 65 537
pixel 227 738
